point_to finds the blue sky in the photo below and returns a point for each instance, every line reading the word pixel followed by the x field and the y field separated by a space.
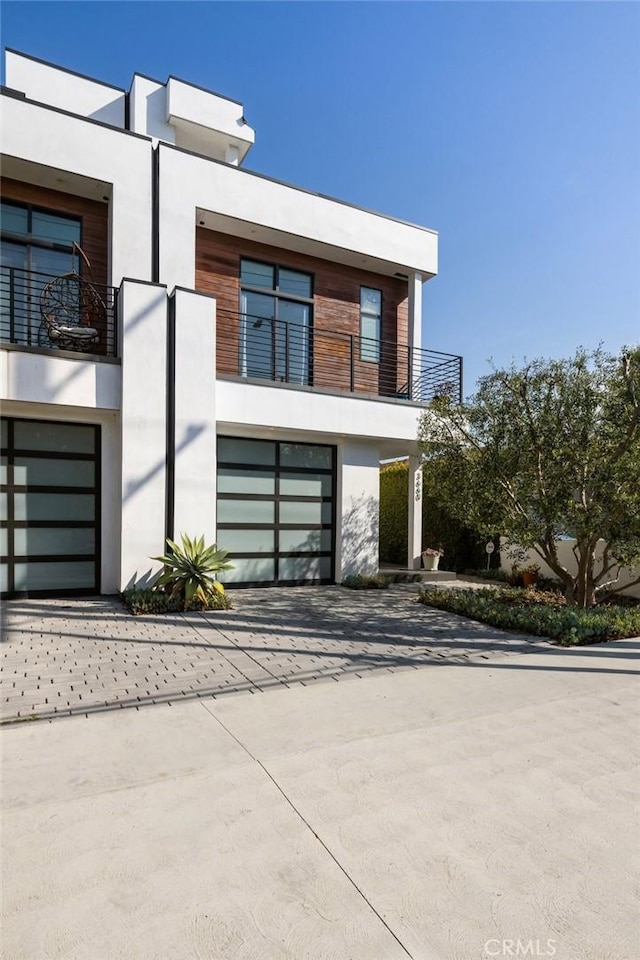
pixel 511 128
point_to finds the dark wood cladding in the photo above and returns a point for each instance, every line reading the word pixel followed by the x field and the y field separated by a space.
pixel 94 216
pixel 336 310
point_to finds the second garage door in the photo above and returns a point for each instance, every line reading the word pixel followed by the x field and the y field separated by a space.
pixel 276 511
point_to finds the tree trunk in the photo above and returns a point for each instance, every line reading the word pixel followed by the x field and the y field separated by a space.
pixel 585 595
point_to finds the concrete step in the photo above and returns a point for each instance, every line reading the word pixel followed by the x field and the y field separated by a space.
pixel 427 576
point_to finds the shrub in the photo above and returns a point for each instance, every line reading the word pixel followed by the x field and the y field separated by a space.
pixel 139 602
pixel 537 612
pixel 464 549
pixel 190 572
pixel 364 581
pixel 491 574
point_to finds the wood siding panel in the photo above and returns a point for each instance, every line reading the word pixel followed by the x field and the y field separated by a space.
pixel 93 214
pixel 336 312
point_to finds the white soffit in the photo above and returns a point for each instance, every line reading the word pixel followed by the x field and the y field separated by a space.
pixel 36 173
pixel 305 245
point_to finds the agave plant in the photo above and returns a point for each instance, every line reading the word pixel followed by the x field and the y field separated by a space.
pixel 190 571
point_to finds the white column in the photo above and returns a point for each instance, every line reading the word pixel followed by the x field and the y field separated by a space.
pixel 357 508
pixel 414 538
pixel 415 324
pixel 195 415
pixel 143 312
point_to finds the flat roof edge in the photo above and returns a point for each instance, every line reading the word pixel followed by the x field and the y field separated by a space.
pixel 294 186
pixel 73 73
pixel 4 92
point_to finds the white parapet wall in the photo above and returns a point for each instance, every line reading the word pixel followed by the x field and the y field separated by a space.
pixel 57 143
pixel 38 378
pixel 283 408
pixel 64 89
pixel 567 558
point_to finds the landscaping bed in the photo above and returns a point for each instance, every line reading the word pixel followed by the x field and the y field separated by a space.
pixel 542 613
pixel 140 602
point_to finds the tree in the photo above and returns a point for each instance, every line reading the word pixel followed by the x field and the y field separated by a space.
pixel 549 449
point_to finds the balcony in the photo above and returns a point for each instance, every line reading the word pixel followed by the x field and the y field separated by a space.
pixel 273 350
pixel 59 313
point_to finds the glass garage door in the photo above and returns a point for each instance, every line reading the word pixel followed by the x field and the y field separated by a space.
pixel 276 511
pixel 49 508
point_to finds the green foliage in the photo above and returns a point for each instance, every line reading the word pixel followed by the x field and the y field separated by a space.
pixel 463 548
pixel 394 478
pixel 362 581
pixel 190 572
pixel 491 574
pixel 139 602
pixel 150 601
pixel 549 449
pixel 537 612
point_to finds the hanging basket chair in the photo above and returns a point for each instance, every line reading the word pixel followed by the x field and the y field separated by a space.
pixel 72 311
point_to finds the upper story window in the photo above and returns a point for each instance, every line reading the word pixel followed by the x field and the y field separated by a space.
pixel 276 305
pixel 35 247
pixel 34 239
pixel 370 324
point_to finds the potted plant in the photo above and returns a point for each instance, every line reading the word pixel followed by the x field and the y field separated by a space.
pixel 431 558
pixel 529 574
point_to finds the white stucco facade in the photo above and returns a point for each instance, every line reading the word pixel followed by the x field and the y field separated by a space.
pixel 158 400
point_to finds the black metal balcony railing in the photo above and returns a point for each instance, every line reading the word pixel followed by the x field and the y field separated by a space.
pixel 57 313
pixel 267 349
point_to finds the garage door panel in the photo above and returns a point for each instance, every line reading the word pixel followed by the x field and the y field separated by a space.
pixel 304 568
pixel 306 512
pixel 305 484
pixel 54 541
pixel 44 471
pixel 251 570
pixel 65 575
pixel 246 511
pixel 307 541
pixel 237 480
pixel 250 541
pixel 54 506
pixel 53 437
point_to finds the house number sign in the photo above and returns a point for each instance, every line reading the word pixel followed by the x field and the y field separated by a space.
pixel 418 486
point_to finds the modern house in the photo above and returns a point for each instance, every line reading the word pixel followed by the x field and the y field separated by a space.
pixel 189 346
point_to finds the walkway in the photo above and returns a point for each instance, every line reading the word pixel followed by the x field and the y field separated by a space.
pixel 64 657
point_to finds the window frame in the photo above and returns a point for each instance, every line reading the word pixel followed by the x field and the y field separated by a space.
pixel 279 296
pixel 31 240
pixel 370 346
pixel 275 291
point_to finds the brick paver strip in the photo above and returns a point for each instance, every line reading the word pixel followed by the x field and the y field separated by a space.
pixel 62 657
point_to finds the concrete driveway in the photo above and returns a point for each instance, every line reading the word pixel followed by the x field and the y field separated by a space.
pixel 463 811
pixel 80 656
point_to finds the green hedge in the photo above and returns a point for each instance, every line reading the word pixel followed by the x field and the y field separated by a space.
pixel 463 548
